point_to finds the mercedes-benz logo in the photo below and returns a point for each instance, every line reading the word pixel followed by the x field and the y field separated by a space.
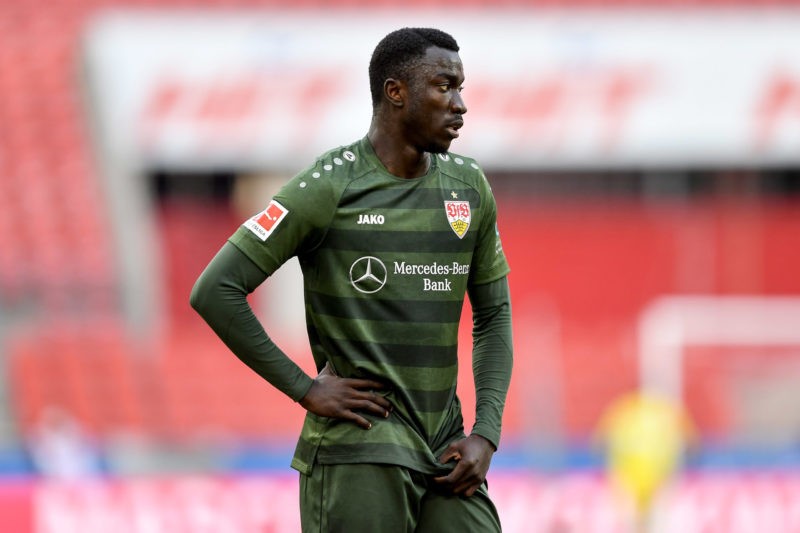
pixel 368 274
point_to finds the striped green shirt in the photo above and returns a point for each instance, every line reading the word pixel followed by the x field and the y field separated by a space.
pixel 386 264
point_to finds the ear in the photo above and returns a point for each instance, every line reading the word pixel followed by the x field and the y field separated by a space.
pixel 395 92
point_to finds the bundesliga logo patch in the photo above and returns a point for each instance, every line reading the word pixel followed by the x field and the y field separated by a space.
pixel 459 216
pixel 264 223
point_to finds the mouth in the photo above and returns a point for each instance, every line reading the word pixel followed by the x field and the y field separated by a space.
pixel 453 127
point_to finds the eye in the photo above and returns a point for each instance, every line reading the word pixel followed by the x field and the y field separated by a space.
pixel 447 87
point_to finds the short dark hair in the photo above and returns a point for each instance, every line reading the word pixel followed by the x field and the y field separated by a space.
pixel 399 52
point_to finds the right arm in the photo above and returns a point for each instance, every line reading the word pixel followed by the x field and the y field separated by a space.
pixel 220 297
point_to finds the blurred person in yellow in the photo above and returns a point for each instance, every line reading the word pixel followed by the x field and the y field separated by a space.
pixel 645 437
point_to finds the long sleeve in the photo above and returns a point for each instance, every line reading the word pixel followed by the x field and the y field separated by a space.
pixel 220 297
pixel 492 355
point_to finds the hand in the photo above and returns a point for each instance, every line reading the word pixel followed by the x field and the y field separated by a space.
pixel 473 456
pixel 337 397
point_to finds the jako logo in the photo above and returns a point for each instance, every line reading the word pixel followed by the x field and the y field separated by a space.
pixel 370 219
pixel 368 274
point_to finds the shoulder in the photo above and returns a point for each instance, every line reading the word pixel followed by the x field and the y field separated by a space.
pixel 337 167
pixel 464 169
pixel 324 180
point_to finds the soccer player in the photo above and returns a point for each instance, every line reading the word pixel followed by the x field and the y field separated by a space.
pixel 391 232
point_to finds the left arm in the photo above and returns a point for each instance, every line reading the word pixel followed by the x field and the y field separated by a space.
pixel 492 358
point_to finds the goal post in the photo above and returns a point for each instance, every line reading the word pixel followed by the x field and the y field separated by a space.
pixel 670 324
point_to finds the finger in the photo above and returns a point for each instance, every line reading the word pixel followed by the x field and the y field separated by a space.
pixel 364 384
pixel 366 405
pixel 460 480
pixel 359 420
pixel 453 478
pixel 450 454
pixel 468 488
pixel 442 480
pixel 376 398
pixel 472 490
pixel 455 485
pixel 370 401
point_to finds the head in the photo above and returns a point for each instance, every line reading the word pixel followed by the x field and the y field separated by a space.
pixel 415 81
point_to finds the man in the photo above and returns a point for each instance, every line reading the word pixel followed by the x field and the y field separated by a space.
pixel 390 233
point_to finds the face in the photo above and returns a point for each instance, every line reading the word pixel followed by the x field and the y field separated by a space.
pixel 434 108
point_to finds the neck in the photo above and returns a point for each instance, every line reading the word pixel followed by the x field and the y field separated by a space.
pixel 399 157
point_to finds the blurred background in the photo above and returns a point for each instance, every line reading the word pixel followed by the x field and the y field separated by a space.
pixel 645 156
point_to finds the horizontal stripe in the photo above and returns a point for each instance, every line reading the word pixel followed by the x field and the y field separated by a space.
pixel 390 430
pixel 404 197
pixel 432 402
pixel 377 241
pixel 398 428
pixel 370 452
pixel 413 333
pixel 385 310
pixel 395 354
pixel 405 378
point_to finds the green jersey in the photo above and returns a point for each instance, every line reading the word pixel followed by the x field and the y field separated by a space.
pixel 386 264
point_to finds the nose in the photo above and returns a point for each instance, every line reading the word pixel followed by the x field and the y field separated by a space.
pixel 457 104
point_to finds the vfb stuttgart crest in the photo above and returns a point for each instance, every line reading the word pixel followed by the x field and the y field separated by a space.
pixel 459 216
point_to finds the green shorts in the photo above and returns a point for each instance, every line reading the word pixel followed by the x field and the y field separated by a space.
pixel 380 498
